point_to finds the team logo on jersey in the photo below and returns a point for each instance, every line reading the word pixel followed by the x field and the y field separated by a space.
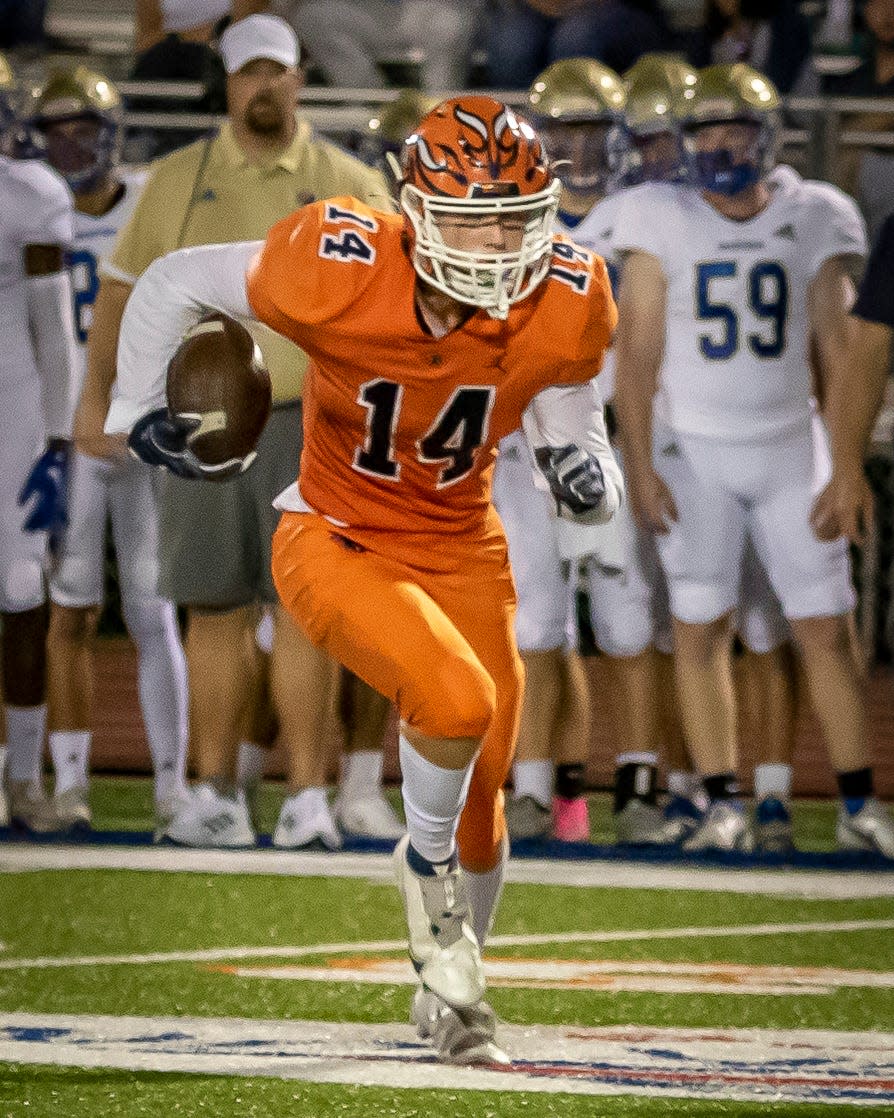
pixel 787 231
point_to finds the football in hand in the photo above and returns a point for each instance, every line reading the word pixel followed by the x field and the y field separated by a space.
pixel 218 376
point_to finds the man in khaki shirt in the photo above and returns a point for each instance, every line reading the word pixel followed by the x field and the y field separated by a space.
pixel 215 537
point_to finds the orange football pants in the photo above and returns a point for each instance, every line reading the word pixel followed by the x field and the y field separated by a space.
pixel 440 646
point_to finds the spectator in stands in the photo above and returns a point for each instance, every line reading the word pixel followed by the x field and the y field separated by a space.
pixel 845 507
pixel 174 42
pixel 215 538
pixel 770 35
pixel 868 172
pixel 526 35
pixel 349 40
pixel 21 23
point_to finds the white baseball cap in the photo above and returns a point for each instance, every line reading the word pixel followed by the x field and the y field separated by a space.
pixel 258 36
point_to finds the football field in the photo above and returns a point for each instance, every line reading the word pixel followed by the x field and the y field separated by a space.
pixel 141 980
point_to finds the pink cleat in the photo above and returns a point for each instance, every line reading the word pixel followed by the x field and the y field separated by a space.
pixel 571 819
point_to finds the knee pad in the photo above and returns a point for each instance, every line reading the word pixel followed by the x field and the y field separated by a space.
pixel 22 586
pixel 540 624
pixel 76 584
pixel 146 617
pixel 458 702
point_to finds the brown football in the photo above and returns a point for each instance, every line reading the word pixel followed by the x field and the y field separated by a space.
pixel 218 373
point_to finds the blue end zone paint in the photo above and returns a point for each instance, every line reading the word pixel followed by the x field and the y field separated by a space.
pixel 534 848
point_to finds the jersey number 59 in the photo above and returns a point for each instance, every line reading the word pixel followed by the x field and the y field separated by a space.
pixel 719 297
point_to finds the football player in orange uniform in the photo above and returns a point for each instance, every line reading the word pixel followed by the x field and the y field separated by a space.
pixel 432 333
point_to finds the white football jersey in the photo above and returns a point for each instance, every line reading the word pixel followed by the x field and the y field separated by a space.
pixel 737 335
pixel 595 232
pixel 94 238
pixel 36 208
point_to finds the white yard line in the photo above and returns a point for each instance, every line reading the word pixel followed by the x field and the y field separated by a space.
pixel 807 884
pixel 752 1065
pixel 219 954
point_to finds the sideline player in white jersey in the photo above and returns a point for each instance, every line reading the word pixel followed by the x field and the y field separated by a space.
pixel 37 361
pixel 629 605
pixel 576 104
pixel 627 593
pixel 74 119
pixel 728 286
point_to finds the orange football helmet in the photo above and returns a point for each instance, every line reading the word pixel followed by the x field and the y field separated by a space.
pixel 472 160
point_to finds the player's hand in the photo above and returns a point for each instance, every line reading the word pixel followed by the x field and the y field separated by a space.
pixel 846 507
pixel 574 476
pixel 161 439
pixel 46 488
pixel 650 499
pixel 91 439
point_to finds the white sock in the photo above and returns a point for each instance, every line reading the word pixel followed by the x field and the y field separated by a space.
pixel 534 779
pixel 25 728
pixel 773 780
pixel 680 783
pixel 70 750
pixel 636 759
pixel 484 891
pixel 250 763
pixel 361 774
pixel 433 799
pixel 161 675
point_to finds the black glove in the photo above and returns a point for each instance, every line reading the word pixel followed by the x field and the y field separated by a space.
pixel 162 439
pixel 575 477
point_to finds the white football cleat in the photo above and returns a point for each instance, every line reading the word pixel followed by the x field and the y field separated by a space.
pixel 461 1036
pixel 30 809
pixel 306 823
pixel 167 809
pixel 209 819
pixel 442 944
pixel 725 828
pixel 642 824
pixel 871 828
pixel 372 817
pixel 528 819
pixel 73 809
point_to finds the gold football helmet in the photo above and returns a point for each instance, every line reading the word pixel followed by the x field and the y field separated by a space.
pixel 9 88
pixel 577 105
pixel 653 147
pixel 75 119
pixel 730 122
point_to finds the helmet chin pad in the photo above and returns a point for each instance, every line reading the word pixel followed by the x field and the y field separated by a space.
pixel 715 171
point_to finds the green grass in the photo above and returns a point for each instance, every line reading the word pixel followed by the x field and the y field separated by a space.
pixel 54 1092
pixel 99 912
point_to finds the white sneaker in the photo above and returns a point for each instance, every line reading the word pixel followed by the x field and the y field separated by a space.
pixel 724 828
pixel 209 819
pixel 167 809
pixel 461 1036
pixel 306 823
pixel 442 944
pixel 73 809
pixel 372 817
pixel 30 809
pixel 642 824
pixel 871 828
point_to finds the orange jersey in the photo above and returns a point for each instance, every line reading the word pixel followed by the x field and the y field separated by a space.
pixel 401 427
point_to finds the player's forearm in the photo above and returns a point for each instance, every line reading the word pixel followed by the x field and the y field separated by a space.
pixel 51 320
pixel 572 416
pixel 857 391
pixel 102 346
pixel 170 297
pixel 636 380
